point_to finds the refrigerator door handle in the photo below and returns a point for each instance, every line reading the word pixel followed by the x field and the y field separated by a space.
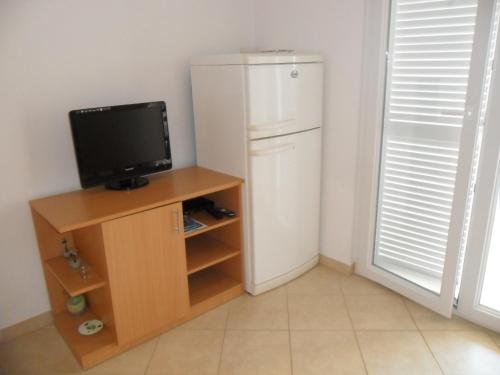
pixel 273 150
pixel 278 125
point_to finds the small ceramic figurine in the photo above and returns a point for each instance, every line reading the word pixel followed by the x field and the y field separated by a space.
pixel 74 261
pixel 76 305
pixel 71 255
pixel 67 250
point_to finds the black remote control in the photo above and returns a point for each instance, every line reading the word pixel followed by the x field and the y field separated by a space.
pixel 226 212
pixel 215 213
pixel 220 212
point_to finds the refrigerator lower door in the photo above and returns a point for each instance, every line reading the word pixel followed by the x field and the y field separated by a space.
pixel 284 179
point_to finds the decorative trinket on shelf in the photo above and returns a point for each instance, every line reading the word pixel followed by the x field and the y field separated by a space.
pixel 71 254
pixel 90 327
pixel 74 261
pixel 67 250
pixel 85 271
pixel 76 305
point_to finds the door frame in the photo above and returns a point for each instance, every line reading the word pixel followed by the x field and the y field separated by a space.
pixel 372 106
pixel 487 188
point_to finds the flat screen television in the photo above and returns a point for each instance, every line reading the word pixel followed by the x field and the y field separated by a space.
pixel 116 146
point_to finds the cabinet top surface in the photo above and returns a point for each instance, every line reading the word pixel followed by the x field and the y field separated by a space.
pixel 81 208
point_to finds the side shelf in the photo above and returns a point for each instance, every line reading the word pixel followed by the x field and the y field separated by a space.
pixel 70 279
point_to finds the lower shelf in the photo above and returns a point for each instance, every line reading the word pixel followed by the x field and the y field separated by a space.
pixel 204 251
pixel 209 283
pixel 81 345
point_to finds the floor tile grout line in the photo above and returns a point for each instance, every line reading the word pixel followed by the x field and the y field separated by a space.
pixel 223 339
pixel 305 330
pixel 199 329
pixel 258 329
pixel 432 353
pixel 354 331
pixel 455 330
pixel 423 337
pixel 152 354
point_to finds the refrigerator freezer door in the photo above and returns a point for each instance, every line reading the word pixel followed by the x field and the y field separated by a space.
pixel 283 98
pixel 284 195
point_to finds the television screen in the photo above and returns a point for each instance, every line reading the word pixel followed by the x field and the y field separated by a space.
pixel 120 142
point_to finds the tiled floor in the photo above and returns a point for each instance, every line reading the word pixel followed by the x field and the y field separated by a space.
pixel 322 323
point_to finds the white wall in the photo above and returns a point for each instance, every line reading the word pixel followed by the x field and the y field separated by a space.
pixel 65 54
pixel 334 28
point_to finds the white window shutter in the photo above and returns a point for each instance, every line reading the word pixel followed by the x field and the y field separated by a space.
pixel 429 56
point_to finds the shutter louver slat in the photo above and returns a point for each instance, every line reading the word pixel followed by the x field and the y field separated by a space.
pixel 430 233
pixel 410 245
pixel 428 73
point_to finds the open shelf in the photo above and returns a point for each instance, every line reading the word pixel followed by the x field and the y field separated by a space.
pixel 210 222
pixel 205 251
pixel 81 345
pixel 209 283
pixel 70 279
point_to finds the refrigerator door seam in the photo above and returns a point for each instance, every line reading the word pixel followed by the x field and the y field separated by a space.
pixel 281 135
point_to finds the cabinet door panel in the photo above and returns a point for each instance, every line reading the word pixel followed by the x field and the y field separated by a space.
pixel 147 270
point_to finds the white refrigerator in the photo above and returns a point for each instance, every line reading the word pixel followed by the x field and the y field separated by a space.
pixel 259 116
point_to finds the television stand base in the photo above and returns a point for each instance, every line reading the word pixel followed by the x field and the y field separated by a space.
pixel 128 184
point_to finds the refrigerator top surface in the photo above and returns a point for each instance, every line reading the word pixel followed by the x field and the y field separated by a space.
pixel 256 58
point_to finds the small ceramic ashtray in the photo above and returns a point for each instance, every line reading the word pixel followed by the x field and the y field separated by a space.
pixel 90 327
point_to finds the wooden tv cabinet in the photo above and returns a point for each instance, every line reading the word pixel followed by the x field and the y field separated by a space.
pixel 146 275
